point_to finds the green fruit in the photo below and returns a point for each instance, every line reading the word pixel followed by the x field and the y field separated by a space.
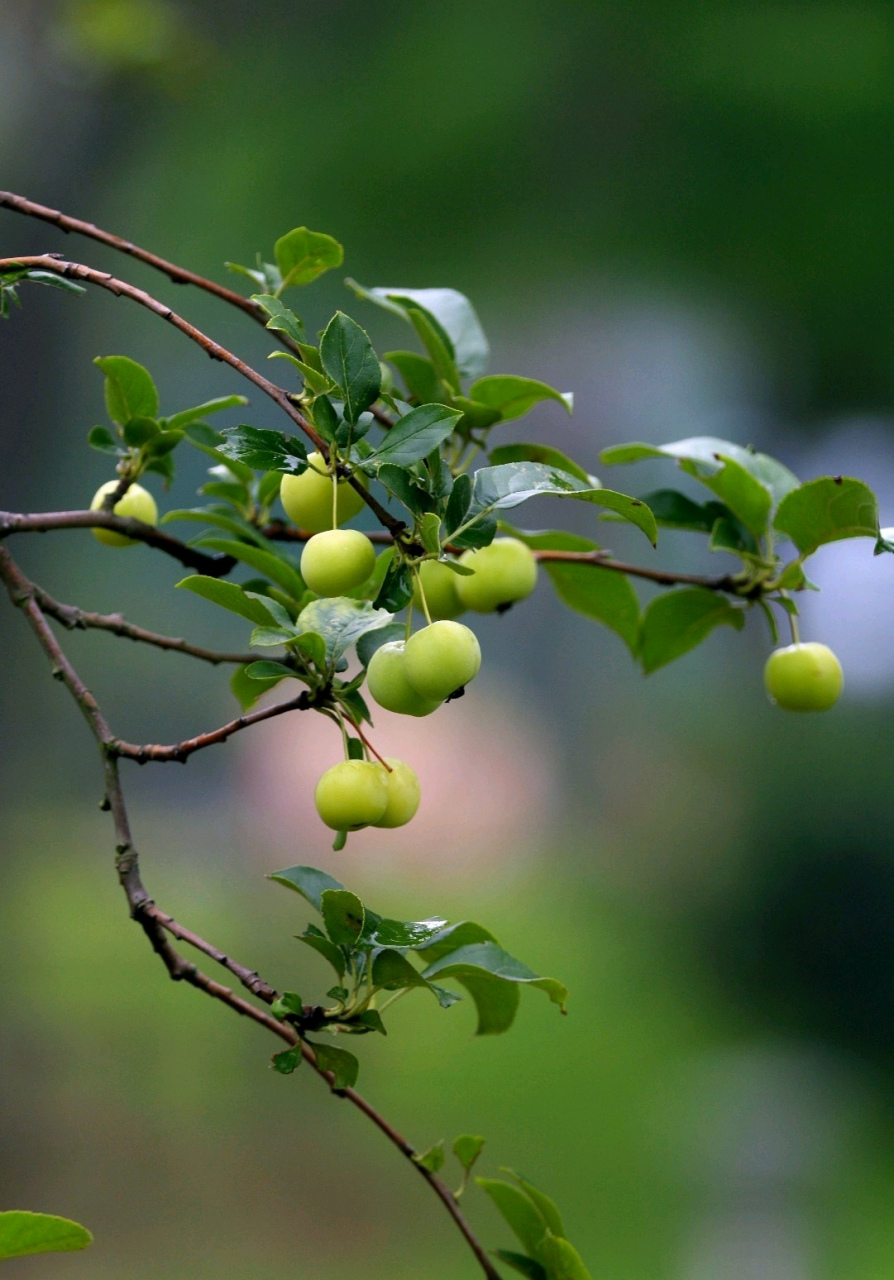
pixel 351 795
pixel 388 685
pixel 403 794
pixel 505 572
pixel 137 503
pixel 307 498
pixel 439 585
pixel 337 561
pixel 804 677
pixel 441 658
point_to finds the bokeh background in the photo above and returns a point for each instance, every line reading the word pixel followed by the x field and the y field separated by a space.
pixel 685 214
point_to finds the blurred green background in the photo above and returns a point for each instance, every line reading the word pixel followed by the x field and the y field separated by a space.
pixel 685 214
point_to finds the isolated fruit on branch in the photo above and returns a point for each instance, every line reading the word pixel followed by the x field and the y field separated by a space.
pixel 307 498
pixel 441 658
pixel 439 585
pixel 351 795
pixel 386 680
pixel 138 504
pixel 804 677
pixel 337 561
pixel 505 572
pixel 403 794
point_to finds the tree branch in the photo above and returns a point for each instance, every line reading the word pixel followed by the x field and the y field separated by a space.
pixel 120 288
pixel 157 925
pixel 179 752
pixel 665 578
pixel 45 521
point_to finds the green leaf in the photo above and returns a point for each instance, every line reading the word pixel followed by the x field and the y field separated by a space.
pixel 432 1159
pixel 512 396
pixel 454 936
pixel 23 1233
pixel 392 971
pixel 827 510
pixel 288 1002
pixel 705 456
pixel 36 276
pixel 467 1148
pixel 317 382
pixel 373 640
pixel 287 1061
pixel 492 977
pixel 452 312
pixel 310 882
pixel 458 503
pixel 508 485
pixel 267 276
pixel 438 346
pixel 272 565
pixel 341 622
pixel 275 671
pixel 229 596
pixel 407 488
pixel 188 416
pixel 419 376
pixel 264 450
pixel 414 436
pixel 282 318
pixel 602 594
pixel 129 389
pixel 430 533
pixel 344 1066
pixel 674 510
pixel 397 587
pixel 538 453
pixel 674 623
pixel 405 933
pixel 137 431
pixel 328 950
pixel 563 1262
pixel 521 1263
pixel 247 689
pixel 519 1212
pixel 302 255
pixel 101 439
pixel 548 1208
pixel 343 916
pixel 348 358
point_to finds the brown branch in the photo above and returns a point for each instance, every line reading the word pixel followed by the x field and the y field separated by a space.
pixel 44 521
pixel 120 288
pixel 75 619
pixel 157 925
pixel 666 578
pixel 279 531
pixel 179 752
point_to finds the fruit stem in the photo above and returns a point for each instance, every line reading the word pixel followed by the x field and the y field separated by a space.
pixel 335 498
pixel 417 575
pixel 409 630
pixel 793 621
pixel 344 733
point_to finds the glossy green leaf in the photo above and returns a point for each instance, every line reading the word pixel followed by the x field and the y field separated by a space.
pixel 129 389
pixel 269 671
pixel 310 882
pixel 229 596
pixel 827 510
pixel 675 510
pixel 22 1232
pixel 519 1213
pixel 373 640
pixel 287 1061
pixel 492 977
pixel 676 622
pixel 343 916
pixel 264 450
pixel 348 358
pixel 453 313
pixel 248 689
pixel 272 565
pixel 405 933
pixel 414 436
pixel 344 1066
pixel 318 383
pixel 186 417
pixel 396 590
pixel 419 376
pixel 282 318
pixel 521 1263
pixel 705 456
pixel 512 396
pixel 508 485
pixel 101 439
pixel 467 1148
pixel 452 937
pixel 432 1159
pixel 544 453
pixel 547 1207
pixel 266 276
pixel 341 622
pixel 393 971
pixel 324 947
pixel 438 346
pixel 35 276
pixel 562 1260
pixel 303 255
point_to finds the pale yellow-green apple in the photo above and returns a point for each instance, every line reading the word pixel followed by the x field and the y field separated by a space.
pixel 351 795
pixel 138 503
pixel 804 677
pixel 439 586
pixel 403 793
pixel 386 680
pixel 441 658
pixel 505 572
pixel 307 498
pixel 337 561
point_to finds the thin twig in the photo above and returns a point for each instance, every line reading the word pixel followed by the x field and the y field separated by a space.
pixel 216 566
pixel 666 578
pixel 121 289
pixel 179 752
